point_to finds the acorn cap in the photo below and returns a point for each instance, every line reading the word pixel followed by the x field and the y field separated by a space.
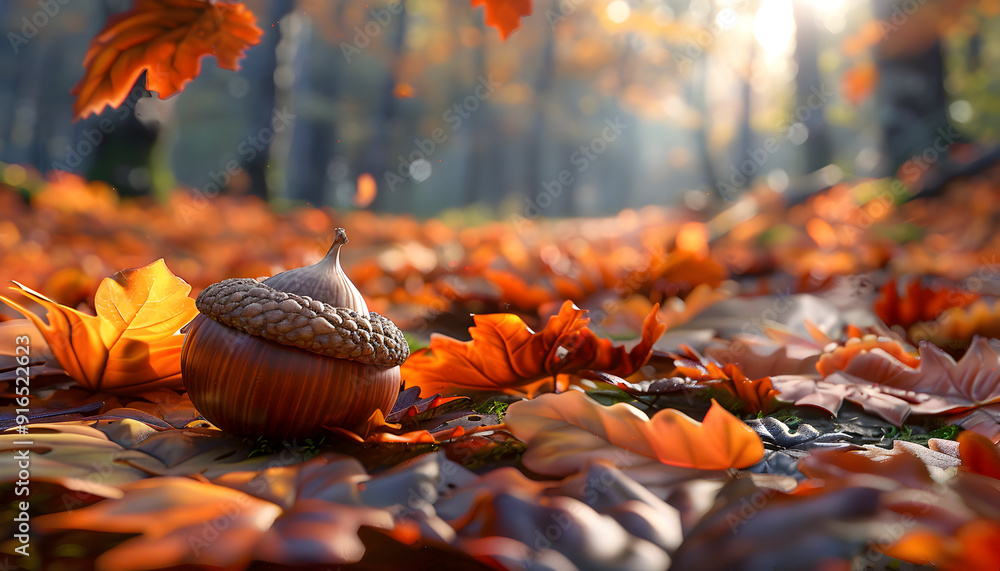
pixel 300 321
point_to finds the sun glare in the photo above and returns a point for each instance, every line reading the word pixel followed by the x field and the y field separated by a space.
pixel 774 26
pixel 618 11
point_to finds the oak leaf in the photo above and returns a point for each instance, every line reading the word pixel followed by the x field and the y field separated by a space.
pixel 505 353
pixel 558 426
pixel 504 15
pixel 131 344
pixel 166 39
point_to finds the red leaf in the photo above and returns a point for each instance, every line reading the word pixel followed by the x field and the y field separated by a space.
pixel 166 39
pixel 504 15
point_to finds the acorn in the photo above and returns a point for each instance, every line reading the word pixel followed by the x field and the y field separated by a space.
pixel 293 355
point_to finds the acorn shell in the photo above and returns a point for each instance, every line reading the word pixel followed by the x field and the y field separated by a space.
pixel 250 386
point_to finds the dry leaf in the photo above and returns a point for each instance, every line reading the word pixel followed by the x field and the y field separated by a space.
pixel 131 345
pixel 943 385
pixel 830 393
pixel 166 39
pixel 302 514
pixel 753 395
pixel 918 304
pixel 505 354
pixel 557 426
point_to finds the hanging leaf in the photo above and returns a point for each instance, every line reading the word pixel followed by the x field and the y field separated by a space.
pixel 504 15
pixel 166 39
pixel 557 426
pixel 505 353
pixel 131 344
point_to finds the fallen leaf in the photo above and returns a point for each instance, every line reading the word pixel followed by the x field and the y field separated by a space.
pixel 979 454
pixel 830 393
pixel 942 384
pixel 758 527
pixel 505 354
pixel 301 514
pixel 166 39
pixel 753 396
pixel 840 357
pixel 918 303
pixel 557 426
pixel 131 345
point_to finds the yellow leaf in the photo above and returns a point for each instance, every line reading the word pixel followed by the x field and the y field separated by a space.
pixel 131 344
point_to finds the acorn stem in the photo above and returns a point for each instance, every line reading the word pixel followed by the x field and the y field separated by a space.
pixel 324 281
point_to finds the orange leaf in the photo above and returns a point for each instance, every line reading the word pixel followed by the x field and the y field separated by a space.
pixel 919 303
pixel 756 395
pixel 504 15
pixel 505 353
pixel 166 39
pixel 858 83
pixel 131 343
pixel 555 426
pixel 979 454
pixel 840 358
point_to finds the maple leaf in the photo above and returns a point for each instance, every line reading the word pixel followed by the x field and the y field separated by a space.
pixel 562 429
pixel 943 385
pixel 830 393
pixel 504 353
pixel 166 39
pixel 504 15
pixel 131 344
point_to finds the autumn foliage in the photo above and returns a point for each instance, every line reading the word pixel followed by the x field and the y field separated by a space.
pixel 166 39
pixel 650 390
pixel 505 354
